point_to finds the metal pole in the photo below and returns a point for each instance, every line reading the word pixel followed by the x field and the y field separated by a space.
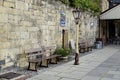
pixel 77 52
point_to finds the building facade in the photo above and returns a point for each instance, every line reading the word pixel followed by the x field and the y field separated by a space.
pixel 104 5
pixel 26 24
pixel 109 29
pixel 113 3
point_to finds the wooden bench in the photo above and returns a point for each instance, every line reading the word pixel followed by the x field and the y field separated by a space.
pixel 49 56
pixel 38 56
pixel 34 56
pixel 84 47
pixel 90 47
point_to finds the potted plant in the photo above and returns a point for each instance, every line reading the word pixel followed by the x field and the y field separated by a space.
pixel 62 52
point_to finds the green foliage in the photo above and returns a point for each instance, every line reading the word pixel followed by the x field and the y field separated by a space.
pixel 62 52
pixel 65 2
pixel 94 6
pixel 85 5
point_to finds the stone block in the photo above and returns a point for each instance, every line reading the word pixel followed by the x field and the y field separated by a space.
pixel 33 35
pixel 1 2
pixel 14 35
pixel 11 17
pixel 5 45
pixel 3 39
pixel 27 13
pixel 34 41
pixel 34 7
pixel 11 0
pixel 36 13
pixel 3 17
pixel 36 45
pixel 7 65
pixel 33 29
pixel 3 53
pixel 26 23
pixel 39 21
pixel 51 23
pixel 11 35
pixel 9 4
pixel 6 10
pixel 17 19
pixel 44 27
pixel 21 29
pixel 22 60
pixel 3 30
pixel 21 5
pixel 28 1
pixel 24 35
pixel 17 12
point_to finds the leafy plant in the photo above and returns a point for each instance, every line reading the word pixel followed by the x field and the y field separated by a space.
pixel 65 2
pixel 85 5
pixel 62 52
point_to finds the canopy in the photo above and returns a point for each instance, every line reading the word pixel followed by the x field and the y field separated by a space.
pixel 112 13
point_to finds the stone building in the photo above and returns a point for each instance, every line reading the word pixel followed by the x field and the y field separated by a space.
pixel 113 3
pixel 26 24
pixel 109 29
pixel 104 5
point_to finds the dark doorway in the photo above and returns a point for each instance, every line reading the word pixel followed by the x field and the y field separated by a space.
pixel 111 29
pixel 64 38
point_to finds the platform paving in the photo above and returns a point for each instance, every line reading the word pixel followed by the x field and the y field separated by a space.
pixel 103 64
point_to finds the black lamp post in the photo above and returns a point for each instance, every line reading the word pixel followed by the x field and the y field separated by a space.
pixel 77 15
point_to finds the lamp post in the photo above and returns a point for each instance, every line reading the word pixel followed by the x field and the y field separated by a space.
pixel 77 15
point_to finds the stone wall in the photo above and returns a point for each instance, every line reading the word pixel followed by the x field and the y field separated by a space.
pixel 104 5
pixel 26 24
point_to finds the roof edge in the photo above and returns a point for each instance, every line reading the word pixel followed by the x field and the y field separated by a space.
pixel 109 9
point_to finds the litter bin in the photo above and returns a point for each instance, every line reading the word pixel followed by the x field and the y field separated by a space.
pixel 98 44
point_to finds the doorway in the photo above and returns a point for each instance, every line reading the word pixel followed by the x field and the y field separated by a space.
pixel 64 38
pixel 111 29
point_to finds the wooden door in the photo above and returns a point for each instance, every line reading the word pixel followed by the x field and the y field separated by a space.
pixel 65 38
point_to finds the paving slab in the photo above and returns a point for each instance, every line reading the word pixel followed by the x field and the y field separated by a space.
pixel 117 76
pixel 108 79
pixel 44 77
pixel 67 79
pixel 90 78
pixel 95 66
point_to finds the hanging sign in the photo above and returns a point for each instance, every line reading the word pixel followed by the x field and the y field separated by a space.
pixel 91 25
pixel 62 18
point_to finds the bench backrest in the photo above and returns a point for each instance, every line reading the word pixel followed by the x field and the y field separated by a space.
pixel 33 53
pixel 39 52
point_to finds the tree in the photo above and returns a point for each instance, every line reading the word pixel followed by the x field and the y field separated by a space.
pixel 85 5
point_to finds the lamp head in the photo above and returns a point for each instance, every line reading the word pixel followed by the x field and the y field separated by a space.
pixel 76 15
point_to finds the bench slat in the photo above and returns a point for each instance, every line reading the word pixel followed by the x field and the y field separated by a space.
pixel 39 55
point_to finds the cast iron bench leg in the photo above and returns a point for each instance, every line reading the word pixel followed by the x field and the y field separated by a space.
pixel 53 60
pixel 32 66
pixel 44 63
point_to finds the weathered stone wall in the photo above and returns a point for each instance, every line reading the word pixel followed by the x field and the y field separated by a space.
pixel 104 5
pixel 26 24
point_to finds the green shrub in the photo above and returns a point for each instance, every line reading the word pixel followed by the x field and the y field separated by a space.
pixel 62 52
